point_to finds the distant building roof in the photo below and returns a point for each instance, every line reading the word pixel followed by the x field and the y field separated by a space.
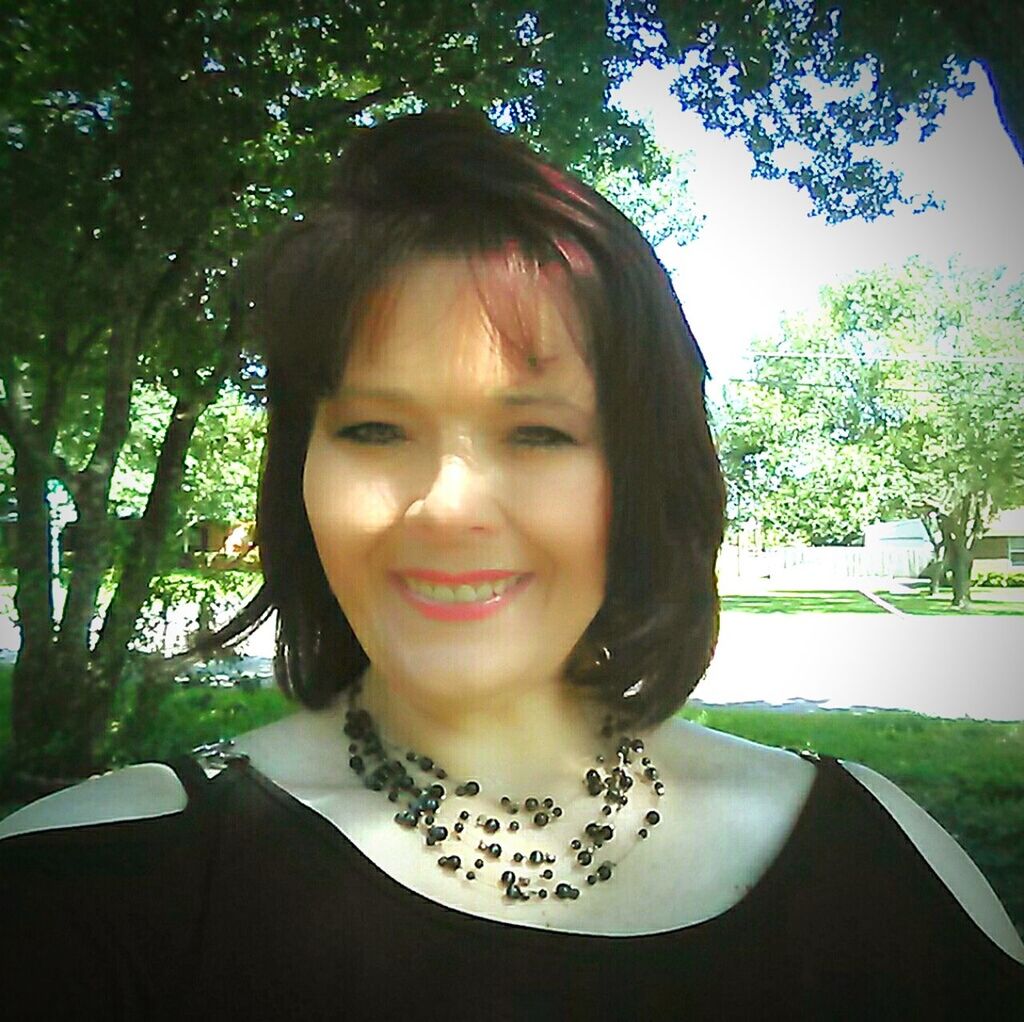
pixel 903 532
pixel 1007 523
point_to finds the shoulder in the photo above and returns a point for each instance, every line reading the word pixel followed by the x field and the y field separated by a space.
pixel 949 861
pixel 132 793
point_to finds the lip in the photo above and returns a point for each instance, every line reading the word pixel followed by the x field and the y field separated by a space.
pixel 442 578
pixel 459 611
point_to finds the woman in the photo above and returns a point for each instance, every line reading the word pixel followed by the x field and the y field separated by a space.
pixel 488 523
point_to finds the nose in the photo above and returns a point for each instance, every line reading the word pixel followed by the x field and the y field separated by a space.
pixel 459 497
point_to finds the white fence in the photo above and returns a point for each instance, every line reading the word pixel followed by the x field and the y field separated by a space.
pixel 800 563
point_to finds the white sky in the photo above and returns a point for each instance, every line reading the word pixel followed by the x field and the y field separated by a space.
pixel 760 255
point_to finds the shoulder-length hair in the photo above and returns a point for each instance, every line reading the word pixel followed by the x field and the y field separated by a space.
pixel 451 184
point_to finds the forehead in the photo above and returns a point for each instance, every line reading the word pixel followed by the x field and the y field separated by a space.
pixel 471 323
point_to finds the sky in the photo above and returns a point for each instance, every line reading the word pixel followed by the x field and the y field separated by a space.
pixel 759 255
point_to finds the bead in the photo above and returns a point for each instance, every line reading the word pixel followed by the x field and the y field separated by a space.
pixel 591 879
pixel 508 876
pixel 566 891
pixel 426 763
pixel 428 820
pixel 651 774
pixel 542 893
pixel 463 815
pixel 495 850
pixel 472 788
pixel 356 762
pixel 514 893
pixel 642 832
pixel 518 857
pixel 406 819
pixel 436 791
pixel 659 788
pixel 576 843
pixel 459 828
pixel 531 803
pixel 492 825
pixel 653 817
pixel 392 795
pixel 604 871
pixel 548 802
pixel 607 810
pixel 479 863
pixel 436 834
pixel 353 747
pixel 471 875
pixel 513 825
pixel 440 774
pixel 451 862
pixel 584 858
pixel 607 833
pixel 411 757
pixel 547 874
pixel 638 745
pixel 557 811
pixel 541 819
pixel 536 857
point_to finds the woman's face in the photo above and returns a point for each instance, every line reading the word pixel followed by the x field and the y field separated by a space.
pixel 437 455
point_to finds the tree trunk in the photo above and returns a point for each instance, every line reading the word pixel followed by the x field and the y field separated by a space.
pixel 33 600
pixel 962 561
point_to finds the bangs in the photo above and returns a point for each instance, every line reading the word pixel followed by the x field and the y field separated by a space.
pixel 515 293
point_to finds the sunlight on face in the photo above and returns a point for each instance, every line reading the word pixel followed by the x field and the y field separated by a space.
pixel 437 452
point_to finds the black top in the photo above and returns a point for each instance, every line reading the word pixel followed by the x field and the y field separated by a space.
pixel 250 905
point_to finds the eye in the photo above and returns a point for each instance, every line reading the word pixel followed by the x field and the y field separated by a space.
pixel 545 436
pixel 369 433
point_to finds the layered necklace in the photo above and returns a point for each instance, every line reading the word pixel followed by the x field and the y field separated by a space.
pixel 480 847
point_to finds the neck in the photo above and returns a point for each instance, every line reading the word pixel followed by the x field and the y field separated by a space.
pixel 532 742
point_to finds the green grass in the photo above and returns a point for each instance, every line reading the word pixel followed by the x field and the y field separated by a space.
pixel 922 603
pixel 803 602
pixel 826 601
pixel 968 774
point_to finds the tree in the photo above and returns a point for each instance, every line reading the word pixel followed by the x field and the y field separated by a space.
pixel 807 83
pixel 901 397
pixel 147 146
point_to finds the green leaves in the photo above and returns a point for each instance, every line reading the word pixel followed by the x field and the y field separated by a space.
pixel 903 392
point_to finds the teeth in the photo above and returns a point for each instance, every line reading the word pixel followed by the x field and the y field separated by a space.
pixel 463 593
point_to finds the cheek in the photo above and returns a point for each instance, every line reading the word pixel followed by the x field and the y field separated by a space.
pixel 345 512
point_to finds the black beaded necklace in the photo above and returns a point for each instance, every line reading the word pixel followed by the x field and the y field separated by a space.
pixel 424 795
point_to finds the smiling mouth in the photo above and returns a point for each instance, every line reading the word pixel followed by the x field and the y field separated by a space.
pixel 479 593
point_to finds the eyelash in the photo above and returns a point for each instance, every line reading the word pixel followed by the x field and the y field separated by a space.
pixel 352 433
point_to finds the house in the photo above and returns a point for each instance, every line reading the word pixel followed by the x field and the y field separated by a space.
pixel 1001 548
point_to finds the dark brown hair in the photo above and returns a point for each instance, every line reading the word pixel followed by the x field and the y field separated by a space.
pixel 449 183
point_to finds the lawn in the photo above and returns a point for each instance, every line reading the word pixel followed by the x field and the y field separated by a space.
pixel 968 774
pixel 999 602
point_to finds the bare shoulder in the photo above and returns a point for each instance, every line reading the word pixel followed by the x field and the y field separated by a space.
pixel 132 793
pixel 736 765
pixel 950 862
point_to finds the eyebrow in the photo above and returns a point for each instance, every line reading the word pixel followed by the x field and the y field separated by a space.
pixel 507 397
